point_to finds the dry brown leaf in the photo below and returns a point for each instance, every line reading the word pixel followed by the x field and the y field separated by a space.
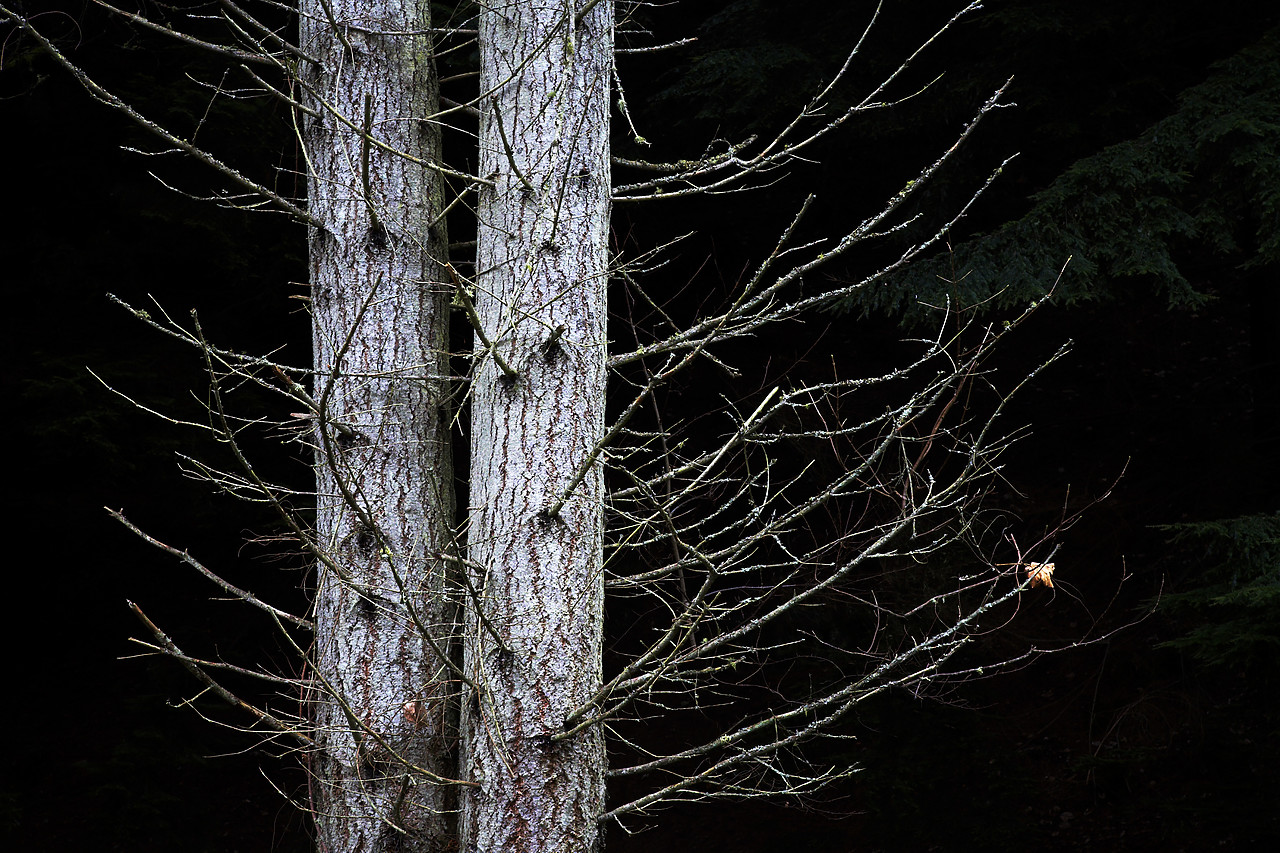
pixel 1040 573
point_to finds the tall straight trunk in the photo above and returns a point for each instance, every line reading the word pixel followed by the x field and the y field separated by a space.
pixel 533 651
pixel 384 473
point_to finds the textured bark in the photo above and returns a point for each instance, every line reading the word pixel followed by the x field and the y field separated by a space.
pixel 542 257
pixel 380 327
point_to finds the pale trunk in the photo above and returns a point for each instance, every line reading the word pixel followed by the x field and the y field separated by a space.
pixel 534 650
pixel 384 476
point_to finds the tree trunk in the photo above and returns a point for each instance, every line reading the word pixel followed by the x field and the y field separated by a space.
pixel 533 650
pixel 385 505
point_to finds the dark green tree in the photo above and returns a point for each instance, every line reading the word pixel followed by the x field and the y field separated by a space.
pixel 1202 185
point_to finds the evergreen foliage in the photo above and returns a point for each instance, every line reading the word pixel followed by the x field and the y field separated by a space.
pixel 1238 601
pixel 1205 179
pixel 752 57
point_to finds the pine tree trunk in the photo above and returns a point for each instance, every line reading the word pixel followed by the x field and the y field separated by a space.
pixel 384 474
pixel 537 414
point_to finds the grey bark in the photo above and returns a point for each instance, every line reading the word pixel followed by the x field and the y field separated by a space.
pixel 533 651
pixel 383 469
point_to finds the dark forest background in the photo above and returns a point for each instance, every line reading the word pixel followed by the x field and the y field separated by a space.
pixel 1149 135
